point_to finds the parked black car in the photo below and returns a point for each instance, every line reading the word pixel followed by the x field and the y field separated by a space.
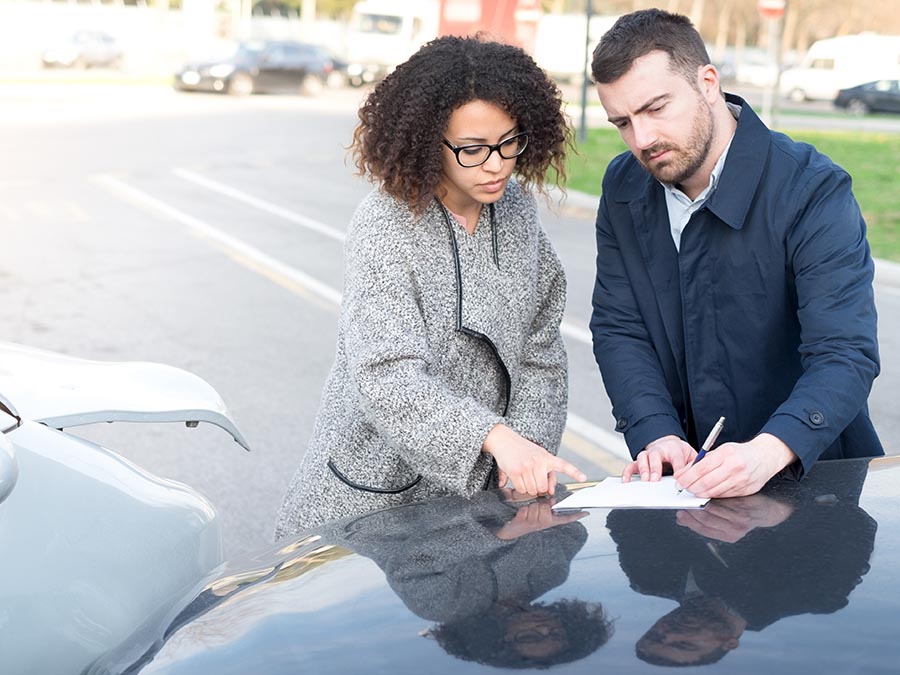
pixel 261 67
pixel 801 577
pixel 877 96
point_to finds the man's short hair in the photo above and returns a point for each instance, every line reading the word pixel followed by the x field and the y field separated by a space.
pixel 639 33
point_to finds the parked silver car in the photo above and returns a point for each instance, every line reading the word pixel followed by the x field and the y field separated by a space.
pixel 84 49
pixel 91 544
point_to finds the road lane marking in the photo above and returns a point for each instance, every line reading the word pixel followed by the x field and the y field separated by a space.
pixel 578 333
pixel 592 453
pixel 568 329
pixel 261 204
pixel 597 445
pixel 243 251
pixel 611 442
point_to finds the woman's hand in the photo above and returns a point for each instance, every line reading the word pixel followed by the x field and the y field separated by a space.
pixel 535 517
pixel 531 469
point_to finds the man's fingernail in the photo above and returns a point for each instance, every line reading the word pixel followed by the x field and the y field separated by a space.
pixel 654 476
pixel 643 476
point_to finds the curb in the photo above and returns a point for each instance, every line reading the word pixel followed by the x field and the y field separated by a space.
pixel 887 273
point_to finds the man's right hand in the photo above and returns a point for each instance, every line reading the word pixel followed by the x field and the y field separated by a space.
pixel 669 450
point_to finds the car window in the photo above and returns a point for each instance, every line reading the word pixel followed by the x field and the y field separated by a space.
pixel 249 51
pixel 380 23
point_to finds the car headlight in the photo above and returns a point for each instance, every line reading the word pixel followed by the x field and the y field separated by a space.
pixel 221 70
pixel 190 77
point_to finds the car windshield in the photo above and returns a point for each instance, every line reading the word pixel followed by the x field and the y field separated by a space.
pixel 248 51
pixel 380 23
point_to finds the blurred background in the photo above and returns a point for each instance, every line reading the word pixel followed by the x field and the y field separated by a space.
pixel 151 38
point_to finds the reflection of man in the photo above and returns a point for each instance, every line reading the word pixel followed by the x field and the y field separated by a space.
pixel 733 275
pixel 477 567
pixel 744 563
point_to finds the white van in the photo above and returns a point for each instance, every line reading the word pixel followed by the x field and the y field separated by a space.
pixel 384 33
pixel 839 62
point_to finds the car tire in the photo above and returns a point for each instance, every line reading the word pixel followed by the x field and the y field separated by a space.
pixel 335 80
pixel 857 107
pixel 312 85
pixel 240 84
pixel 797 95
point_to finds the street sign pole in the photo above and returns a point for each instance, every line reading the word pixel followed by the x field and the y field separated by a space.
pixel 771 11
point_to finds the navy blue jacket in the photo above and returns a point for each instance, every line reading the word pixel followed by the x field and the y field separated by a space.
pixel 766 316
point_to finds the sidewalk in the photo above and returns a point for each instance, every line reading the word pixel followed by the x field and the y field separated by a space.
pixel 887 273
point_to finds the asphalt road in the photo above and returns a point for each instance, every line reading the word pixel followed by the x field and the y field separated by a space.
pixel 206 232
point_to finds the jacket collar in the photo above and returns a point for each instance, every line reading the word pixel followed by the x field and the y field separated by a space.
pixel 744 167
pixel 740 177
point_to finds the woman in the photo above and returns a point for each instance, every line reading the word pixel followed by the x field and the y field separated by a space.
pixel 450 371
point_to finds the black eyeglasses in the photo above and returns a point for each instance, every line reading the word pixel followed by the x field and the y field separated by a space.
pixel 475 155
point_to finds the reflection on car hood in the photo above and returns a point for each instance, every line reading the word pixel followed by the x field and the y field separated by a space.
pixel 472 585
pixel 62 391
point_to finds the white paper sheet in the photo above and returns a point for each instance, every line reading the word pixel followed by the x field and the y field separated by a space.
pixel 612 493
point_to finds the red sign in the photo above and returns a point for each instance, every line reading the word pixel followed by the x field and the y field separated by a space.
pixel 771 9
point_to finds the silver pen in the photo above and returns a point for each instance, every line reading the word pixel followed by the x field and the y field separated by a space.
pixel 708 443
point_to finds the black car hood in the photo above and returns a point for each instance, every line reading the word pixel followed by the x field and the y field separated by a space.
pixel 459 586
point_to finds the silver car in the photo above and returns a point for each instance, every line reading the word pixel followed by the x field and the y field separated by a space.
pixel 92 545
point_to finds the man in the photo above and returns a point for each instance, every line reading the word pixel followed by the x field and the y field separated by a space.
pixel 733 276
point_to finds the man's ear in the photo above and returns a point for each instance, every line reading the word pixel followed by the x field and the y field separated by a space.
pixel 708 81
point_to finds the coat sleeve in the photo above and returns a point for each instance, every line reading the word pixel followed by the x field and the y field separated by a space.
pixel 438 433
pixel 629 365
pixel 537 409
pixel 833 273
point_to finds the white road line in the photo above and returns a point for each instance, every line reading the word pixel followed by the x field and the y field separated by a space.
pixel 576 332
pixel 605 441
pixel 233 244
pixel 570 330
pixel 260 204
pixel 610 442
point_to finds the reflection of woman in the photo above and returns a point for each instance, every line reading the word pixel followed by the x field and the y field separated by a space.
pixel 744 563
pixel 450 372
pixel 476 568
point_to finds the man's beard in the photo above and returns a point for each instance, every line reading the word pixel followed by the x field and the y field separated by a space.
pixel 686 161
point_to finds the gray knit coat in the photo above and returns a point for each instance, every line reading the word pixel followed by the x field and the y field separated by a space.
pixel 442 335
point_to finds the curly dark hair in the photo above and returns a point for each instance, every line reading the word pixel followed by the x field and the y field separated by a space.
pixel 398 139
pixel 481 637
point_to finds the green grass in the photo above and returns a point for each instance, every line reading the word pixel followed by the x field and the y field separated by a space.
pixel 870 157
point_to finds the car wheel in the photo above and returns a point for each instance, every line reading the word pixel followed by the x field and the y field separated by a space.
pixel 797 95
pixel 857 107
pixel 335 80
pixel 240 84
pixel 312 85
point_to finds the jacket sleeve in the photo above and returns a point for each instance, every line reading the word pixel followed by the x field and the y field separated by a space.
pixel 833 272
pixel 537 409
pixel 437 432
pixel 629 365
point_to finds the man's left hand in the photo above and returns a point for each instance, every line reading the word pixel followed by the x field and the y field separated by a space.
pixel 736 469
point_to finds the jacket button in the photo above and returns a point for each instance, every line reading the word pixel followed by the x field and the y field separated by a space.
pixel 621 423
pixel 816 417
